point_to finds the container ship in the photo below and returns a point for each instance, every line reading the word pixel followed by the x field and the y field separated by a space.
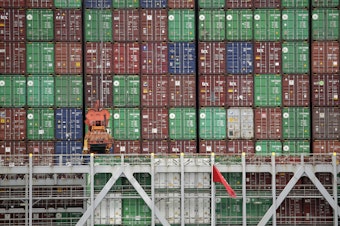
pixel 119 112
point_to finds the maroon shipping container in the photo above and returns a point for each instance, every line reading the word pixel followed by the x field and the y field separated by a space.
pixel 155 146
pixel 12 124
pixel 182 146
pixel 325 89
pixel 268 123
pixel 126 147
pixel 211 57
pixel 180 4
pixel 67 25
pixel 154 90
pixel 267 3
pixel 155 123
pixel 126 58
pixel 290 211
pixel 12 25
pixel 326 146
pixel 68 58
pixel 182 91
pixel 267 57
pixel 12 58
pixel 98 87
pixel 239 146
pixel 98 58
pixel 231 4
pixel 212 90
pixel 213 146
pixel 13 3
pixel 317 210
pixel 240 89
pixel 39 3
pixel 125 25
pixel 258 181
pixel 13 153
pixel 154 58
pixel 325 57
pixel 295 90
pixel 326 123
pixel 153 25
pixel 42 151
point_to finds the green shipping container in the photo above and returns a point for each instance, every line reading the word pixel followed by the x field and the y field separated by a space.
pixel 98 25
pixel 100 179
pixel 211 25
pixel 67 4
pixel 212 123
pixel 239 24
pixel 39 25
pixel 182 123
pixel 295 147
pixel 135 212
pixel 211 4
pixel 256 209
pixel 325 24
pixel 228 211
pixel 40 124
pixel 40 91
pixel 67 218
pixel 126 124
pixel 40 58
pixel 266 147
pixel 69 91
pixel 267 90
pixel 267 24
pixel 295 24
pixel 328 3
pixel 296 123
pixel 121 4
pixel 12 91
pixel 126 91
pixel 295 58
pixel 295 3
pixel 181 25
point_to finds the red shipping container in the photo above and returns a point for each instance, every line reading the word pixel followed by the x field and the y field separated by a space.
pixel 213 146
pixel 125 25
pixel 268 123
pixel 317 210
pixel 155 123
pixel 325 89
pixel 182 146
pixel 295 90
pixel 212 90
pixel 126 147
pixel 12 25
pixel 12 124
pixel 126 58
pixel 42 151
pixel 240 89
pixel 153 25
pixel 326 123
pixel 68 58
pixel 13 153
pixel 182 90
pixel 258 181
pixel 326 146
pixel 239 146
pixel 68 25
pixel 154 90
pixel 155 146
pixel 98 87
pixel 211 57
pixel 98 58
pixel 13 3
pixel 39 3
pixel 12 58
pixel 290 212
pixel 325 57
pixel 267 3
pixel 180 4
pixel 267 57
pixel 154 58
pixel 231 4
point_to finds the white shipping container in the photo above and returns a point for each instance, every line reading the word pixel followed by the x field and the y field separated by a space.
pixel 109 210
pixel 240 123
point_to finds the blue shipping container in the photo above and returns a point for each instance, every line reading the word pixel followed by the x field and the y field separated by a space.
pixel 71 151
pixel 98 4
pixel 239 57
pixel 156 4
pixel 68 124
pixel 182 58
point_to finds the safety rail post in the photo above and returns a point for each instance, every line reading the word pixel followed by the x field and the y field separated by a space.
pixel 30 188
pixel 182 190
pixel 335 189
pixel 92 186
pixel 213 191
pixel 244 190
pixel 153 189
pixel 274 187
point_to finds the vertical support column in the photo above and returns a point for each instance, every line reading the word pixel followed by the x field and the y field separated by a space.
pixel 92 187
pixel 213 192
pixel 153 189
pixel 274 187
pixel 182 190
pixel 30 192
pixel 335 190
pixel 244 191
